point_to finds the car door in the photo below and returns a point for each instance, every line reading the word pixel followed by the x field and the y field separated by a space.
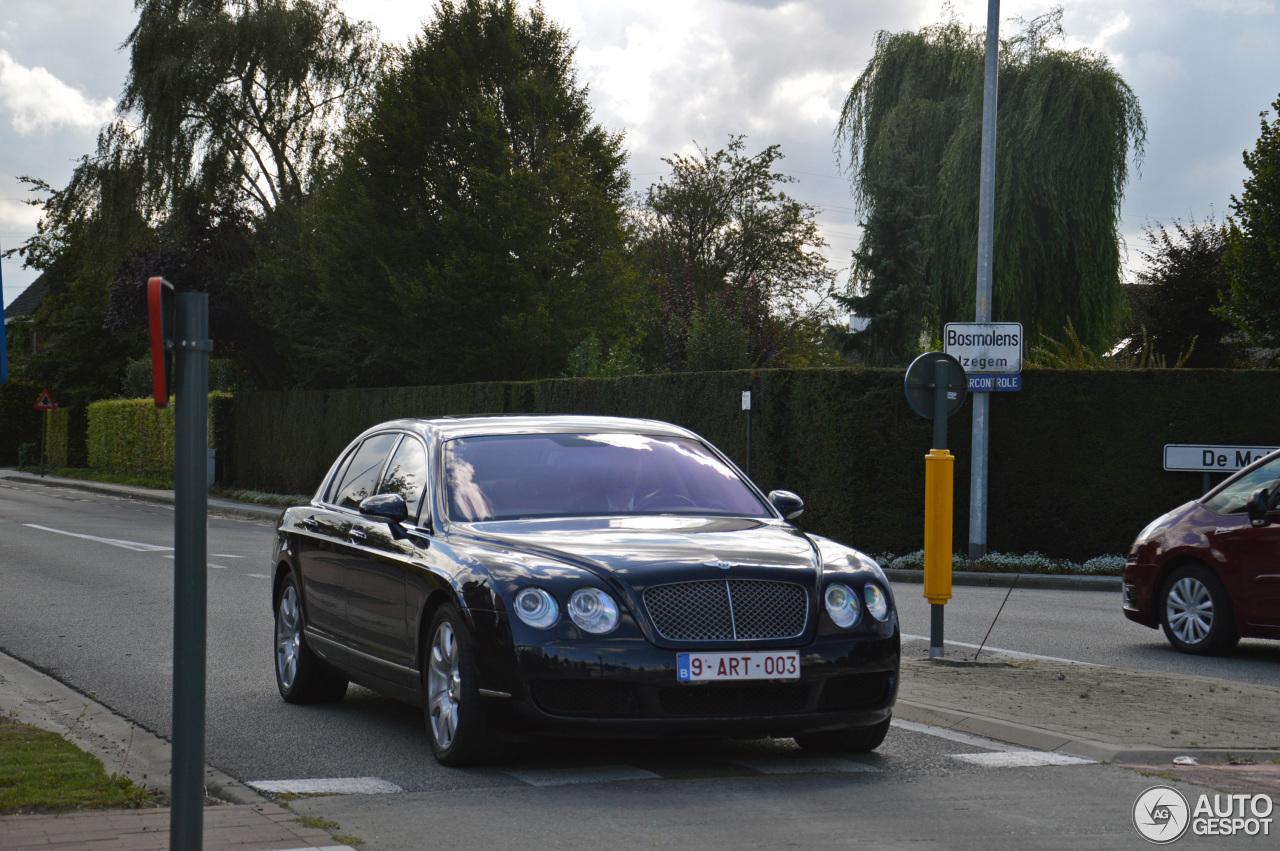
pixel 321 534
pixel 1253 552
pixel 377 573
pixel 342 524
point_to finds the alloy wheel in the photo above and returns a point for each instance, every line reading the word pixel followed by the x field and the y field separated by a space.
pixel 444 685
pixel 1189 608
pixel 288 637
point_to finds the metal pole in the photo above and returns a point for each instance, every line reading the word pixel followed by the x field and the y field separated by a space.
pixel 190 591
pixel 44 440
pixel 982 307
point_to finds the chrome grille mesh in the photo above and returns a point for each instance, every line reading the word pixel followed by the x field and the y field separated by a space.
pixel 727 610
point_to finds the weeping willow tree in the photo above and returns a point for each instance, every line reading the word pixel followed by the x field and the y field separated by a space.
pixel 910 136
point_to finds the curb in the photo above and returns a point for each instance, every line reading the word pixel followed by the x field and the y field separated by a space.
pixel 1055 582
pixel 226 507
pixel 34 697
pixel 1034 738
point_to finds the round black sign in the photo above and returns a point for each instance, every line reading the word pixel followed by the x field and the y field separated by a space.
pixel 921 387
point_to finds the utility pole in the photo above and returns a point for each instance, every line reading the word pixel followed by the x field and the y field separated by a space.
pixel 986 243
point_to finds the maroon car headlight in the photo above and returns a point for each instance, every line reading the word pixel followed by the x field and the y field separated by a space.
pixel 593 610
pixel 537 608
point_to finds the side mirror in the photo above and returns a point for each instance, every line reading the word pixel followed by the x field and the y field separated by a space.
pixel 788 504
pixel 387 506
pixel 1257 506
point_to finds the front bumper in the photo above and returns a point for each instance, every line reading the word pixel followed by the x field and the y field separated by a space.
pixel 1138 593
pixel 628 689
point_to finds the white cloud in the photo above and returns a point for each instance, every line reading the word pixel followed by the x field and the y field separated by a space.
pixel 38 101
pixel 1239 7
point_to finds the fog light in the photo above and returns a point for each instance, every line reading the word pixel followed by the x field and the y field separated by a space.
pixel 877 602
pixel 842 605
pixel 593 610
pixel 537 608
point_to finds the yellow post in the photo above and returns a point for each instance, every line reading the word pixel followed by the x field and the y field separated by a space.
pixel 939 475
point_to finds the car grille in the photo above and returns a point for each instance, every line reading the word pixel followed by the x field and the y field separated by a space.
pixel 727 610
pixel 717 700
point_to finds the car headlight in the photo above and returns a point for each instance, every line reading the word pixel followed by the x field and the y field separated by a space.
pixel 877 602
pixel 537 608
pixel 593 610
pixel 842 605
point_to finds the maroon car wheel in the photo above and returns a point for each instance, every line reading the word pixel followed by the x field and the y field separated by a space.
pixel 1195 612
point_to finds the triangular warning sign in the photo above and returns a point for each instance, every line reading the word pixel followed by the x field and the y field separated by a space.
pixel 45 402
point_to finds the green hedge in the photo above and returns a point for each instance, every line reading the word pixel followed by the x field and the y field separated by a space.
pixel 68 437
pixel 19 420
pixel 133 436
pixel 1076 456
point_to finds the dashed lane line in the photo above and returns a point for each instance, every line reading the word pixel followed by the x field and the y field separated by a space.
pixel 327 786
pixel 812 765
pixel 590 774
pixel 136 546
pixel 1021 759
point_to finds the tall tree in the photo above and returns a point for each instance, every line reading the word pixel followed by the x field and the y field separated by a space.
pixel 473 227
pixel 1176 306
pixel 1067 123
pixel 725 244
pixel 1252 255
pixel 244 95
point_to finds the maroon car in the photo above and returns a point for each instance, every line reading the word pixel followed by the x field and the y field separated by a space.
pixel 1208 572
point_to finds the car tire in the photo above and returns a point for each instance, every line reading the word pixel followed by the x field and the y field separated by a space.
pixel 853 740
pixel 456 725
pixel 1195 612
pixel 301 675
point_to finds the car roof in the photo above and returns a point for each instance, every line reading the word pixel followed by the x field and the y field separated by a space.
pixel 487 424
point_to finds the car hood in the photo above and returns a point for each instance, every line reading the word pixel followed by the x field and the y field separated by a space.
pixel 651 550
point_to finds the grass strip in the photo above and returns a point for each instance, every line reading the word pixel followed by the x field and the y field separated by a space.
pixel 40 772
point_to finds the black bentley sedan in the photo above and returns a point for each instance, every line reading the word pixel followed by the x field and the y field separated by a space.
pixel 560 575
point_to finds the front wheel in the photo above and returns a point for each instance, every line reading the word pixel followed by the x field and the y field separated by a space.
pixel 1195 612
pixel 853 740
pixel 459 732
pixel 301 675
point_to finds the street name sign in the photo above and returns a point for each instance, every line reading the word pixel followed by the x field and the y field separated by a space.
pixel 985 347
pixel 1204 458
pixel 994 383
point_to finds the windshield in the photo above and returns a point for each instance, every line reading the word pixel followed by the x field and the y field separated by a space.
pixel 556 475
pixel 1233 498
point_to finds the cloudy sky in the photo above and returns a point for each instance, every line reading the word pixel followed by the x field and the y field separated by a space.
pixel 672 72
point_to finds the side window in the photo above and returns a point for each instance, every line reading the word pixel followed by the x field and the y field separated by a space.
pixel 407 474
pixel 1232 498
pixel 361 478
pixel 335 484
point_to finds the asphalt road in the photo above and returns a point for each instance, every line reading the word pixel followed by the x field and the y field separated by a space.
pixel 86 595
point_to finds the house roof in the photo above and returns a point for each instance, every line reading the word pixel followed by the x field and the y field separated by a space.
pixel 28 302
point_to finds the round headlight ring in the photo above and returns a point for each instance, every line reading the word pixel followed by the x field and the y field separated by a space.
pixel 842 605
pixel 537 608
pixel 877 602
pixel 593 610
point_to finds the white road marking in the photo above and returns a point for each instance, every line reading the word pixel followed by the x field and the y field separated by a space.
pixel 328 786
pixel 1017 654
pixel 258 575
pixel 1021 759
pixel 952 735
pixel 590 774
pixel 219 567
pixel 115 542
pixel 813 765
pixel 225 555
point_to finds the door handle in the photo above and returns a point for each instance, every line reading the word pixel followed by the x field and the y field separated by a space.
pixel 357 535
